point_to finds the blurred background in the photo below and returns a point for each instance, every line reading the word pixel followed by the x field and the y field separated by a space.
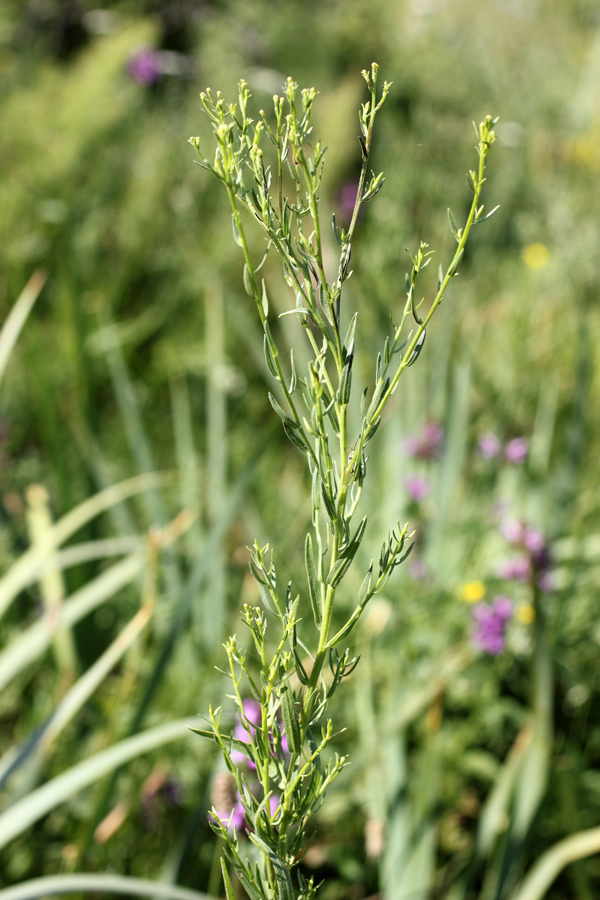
pixel 474 726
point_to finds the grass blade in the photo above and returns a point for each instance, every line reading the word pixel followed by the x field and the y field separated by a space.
pixel 553 861
pixel 35 639
pixel 105 884
pixel 18 817
pixel 26 569
pixel 18 316
pixel 72 702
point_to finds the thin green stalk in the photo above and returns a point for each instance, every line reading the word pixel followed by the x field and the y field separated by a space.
pixel 303 775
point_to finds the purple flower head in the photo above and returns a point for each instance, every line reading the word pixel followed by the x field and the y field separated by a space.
pixel 274 803
pixel 144 66
pixel 428 445
pixel 534 541
pixel 530 540
pixel 417 488
pixel 518 567
pixel 489 445
pixel 433 435
pixel 253 715
pixel 490 621
pixel 513 531
pixel 516 451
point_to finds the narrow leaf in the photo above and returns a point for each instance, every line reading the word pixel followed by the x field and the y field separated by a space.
pixel 364 592
pixel 227 881
pixel 290 717
pixel 282 414
pixel 417 348
pixel 329 507
pixel 265 301
pixel 349 339
pixel 313 582
pixel 269 359
pixel 295 437
pixel 248 281
pixel 236 232
pixel 338 571
pixel 453 270
pixel 453 226
pixel 282 875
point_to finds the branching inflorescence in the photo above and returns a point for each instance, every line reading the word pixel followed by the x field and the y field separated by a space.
pixel 285 742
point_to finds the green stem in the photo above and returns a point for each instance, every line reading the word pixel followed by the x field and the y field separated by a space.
pixel 436 302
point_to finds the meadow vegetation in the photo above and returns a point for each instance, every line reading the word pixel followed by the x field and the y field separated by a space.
pixel 139 454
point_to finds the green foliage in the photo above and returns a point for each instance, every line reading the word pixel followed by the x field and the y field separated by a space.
pixel 292 226
pixel 142 352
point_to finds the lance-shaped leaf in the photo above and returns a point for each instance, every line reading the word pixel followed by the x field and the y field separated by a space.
pixel 227 881
pixel 417 349
pixel 314 589
pixel 236 232
pixel 269 358
pixel 290 716
pixel 343 392
pixel 348 345
pixel 296 437
pixel 350 550
pixel 282 875
pixel 285 418
pixel 338 570
pixel 453 270
pixel 249 287
pixel 453 225
pixel 329 507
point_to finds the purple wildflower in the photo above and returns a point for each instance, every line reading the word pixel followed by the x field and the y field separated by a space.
pixel 417 488
pixel 534 541
pixel 145 66
pixel 433 434
pixel 274 804
pixel 536 557
pixel 516 451
pixel 518 567
pixel 253 715
pixel 428 445
pixel 489 445
pixel 513 531
pixel 490 621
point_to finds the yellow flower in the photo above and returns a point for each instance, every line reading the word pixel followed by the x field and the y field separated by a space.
pixel 536 256
pixel 526 614
pixel 472 591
